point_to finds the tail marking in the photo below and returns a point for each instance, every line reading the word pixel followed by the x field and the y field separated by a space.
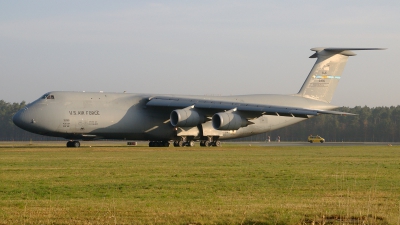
pixel 324 77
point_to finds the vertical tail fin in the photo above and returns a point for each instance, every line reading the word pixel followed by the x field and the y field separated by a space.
pixel 326 72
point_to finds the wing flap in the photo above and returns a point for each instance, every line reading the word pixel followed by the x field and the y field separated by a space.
pixel 336 113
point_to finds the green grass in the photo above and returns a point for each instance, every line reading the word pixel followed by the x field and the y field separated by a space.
pixel 228 185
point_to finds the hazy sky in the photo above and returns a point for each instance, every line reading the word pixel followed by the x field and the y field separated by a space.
pixel 196 47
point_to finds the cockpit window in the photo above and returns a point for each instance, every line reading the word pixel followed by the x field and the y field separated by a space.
pixel 47 96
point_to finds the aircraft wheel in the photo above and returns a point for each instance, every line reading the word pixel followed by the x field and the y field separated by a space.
pixel 207 144
pixel 181 144
pixel 76 144
pixel 202 143
pixel 191 143
pixel 69 144
pixel 322 141
pixel 217 144
pixel 73 144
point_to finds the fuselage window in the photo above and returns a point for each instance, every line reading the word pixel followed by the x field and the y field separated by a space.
pixel 49 97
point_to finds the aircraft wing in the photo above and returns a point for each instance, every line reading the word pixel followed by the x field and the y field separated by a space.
pixel 249 110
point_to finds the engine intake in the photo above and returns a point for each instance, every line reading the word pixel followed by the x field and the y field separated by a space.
pixel 228 121
pixel 186 118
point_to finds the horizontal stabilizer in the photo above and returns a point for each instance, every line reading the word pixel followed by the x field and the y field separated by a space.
pixel 342 51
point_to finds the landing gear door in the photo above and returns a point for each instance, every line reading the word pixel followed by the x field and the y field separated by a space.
pixel 187 131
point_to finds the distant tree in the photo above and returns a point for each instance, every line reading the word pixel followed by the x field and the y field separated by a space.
pixel 379 124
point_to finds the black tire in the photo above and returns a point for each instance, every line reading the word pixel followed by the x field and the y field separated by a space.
pixel 191 143
pixel 76 144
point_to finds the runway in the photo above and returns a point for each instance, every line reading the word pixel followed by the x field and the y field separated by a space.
pixel 224 143
pixel 274 143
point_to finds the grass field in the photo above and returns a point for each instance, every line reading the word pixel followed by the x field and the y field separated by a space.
pixel 43 184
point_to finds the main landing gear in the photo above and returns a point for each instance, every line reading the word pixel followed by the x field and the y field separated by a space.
pixel 73 144
pixel 183 143
pixel 158 144
pixel 210 143
pixel 188 142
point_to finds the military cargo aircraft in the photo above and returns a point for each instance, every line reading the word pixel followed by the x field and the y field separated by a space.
pixel 184 119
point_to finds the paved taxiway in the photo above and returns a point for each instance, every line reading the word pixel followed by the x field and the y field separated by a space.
pixel 142 143
pixel 317 144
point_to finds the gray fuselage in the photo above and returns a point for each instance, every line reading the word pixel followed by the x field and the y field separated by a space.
pixel 88 115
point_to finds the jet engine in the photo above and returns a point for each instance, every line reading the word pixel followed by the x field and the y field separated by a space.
pixel 228 121
pixel 186 118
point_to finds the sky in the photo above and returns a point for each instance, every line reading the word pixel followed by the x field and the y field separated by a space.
pixel 196 47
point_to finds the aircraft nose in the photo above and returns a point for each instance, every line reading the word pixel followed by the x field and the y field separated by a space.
pixel 20 119
pixel 31 119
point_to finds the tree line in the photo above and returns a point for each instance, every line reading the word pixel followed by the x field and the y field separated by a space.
pixel 378 124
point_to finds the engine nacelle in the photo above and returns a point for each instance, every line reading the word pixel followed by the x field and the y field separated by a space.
pixel 228 121
pixel 186 118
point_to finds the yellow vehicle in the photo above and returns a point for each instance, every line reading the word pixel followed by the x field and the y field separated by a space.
pixel 315 138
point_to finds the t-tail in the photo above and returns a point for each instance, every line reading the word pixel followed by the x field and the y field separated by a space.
pixel 326 72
